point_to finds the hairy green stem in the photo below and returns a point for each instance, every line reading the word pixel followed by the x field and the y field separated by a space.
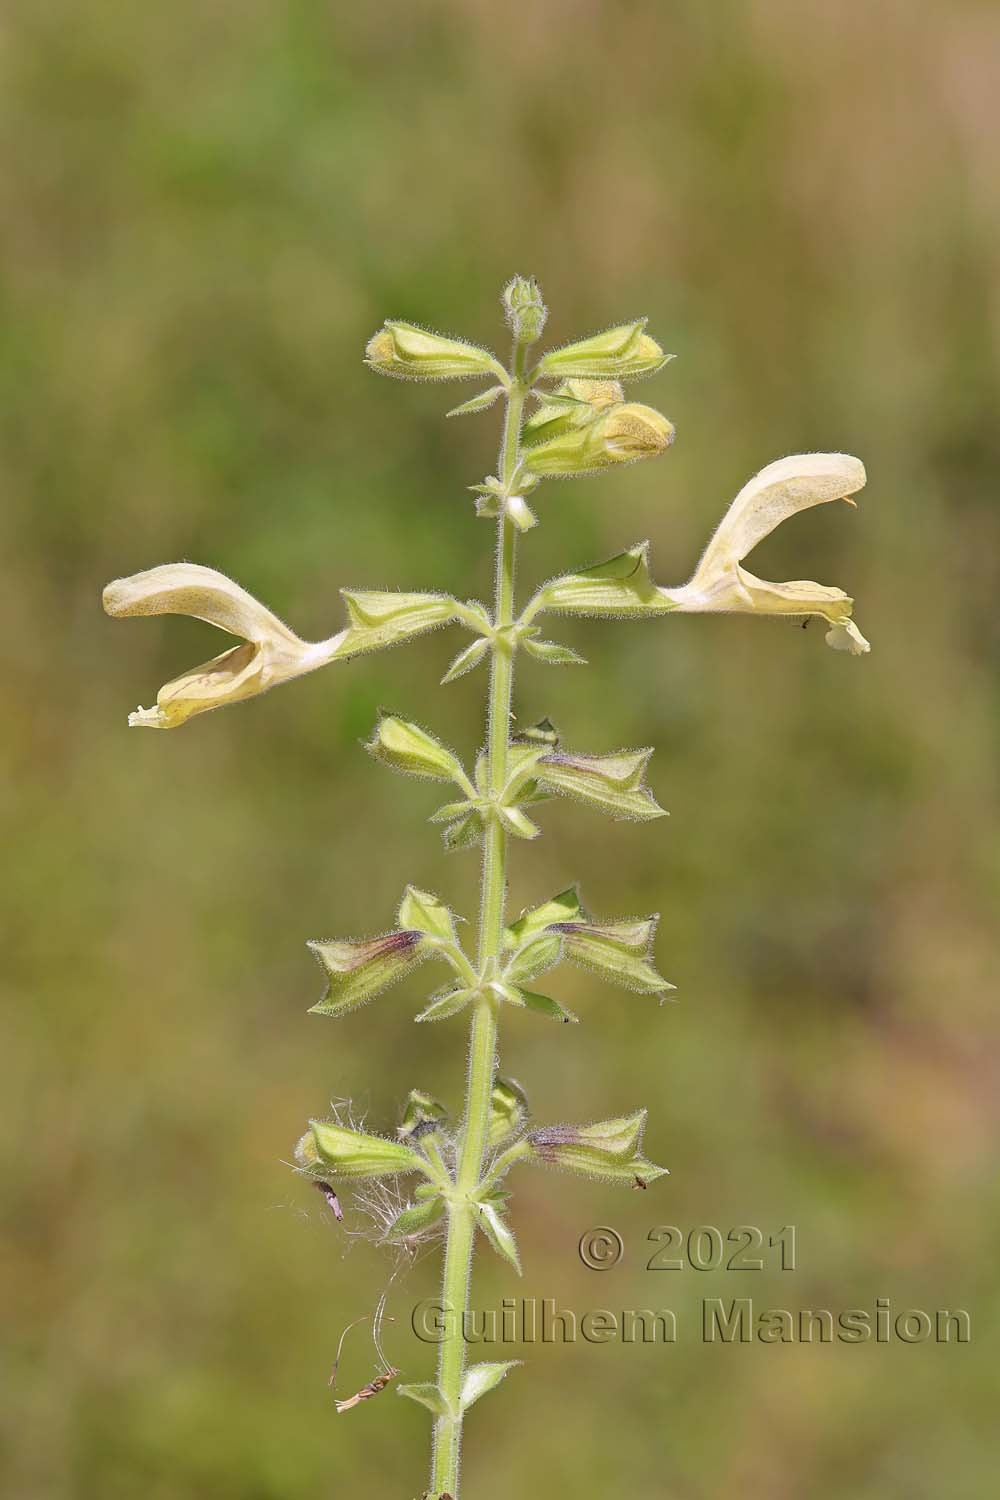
pixel 483 1035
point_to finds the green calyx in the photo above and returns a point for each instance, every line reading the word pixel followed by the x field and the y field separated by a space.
pixel 621 353
pixel 350 1155
pixel 609 1150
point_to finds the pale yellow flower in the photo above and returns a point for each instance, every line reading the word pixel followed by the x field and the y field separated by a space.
pixel 791 484
pixel 270 653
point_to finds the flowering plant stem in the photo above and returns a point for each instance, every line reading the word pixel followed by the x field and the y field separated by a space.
pixel 483 1032
pixel 581 423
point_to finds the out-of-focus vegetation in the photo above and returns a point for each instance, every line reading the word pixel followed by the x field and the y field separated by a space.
pixel 206 210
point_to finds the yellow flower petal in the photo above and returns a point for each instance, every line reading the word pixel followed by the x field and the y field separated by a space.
pixel 846 636
pixel 791 484
pixel 777 492
pixel 270 653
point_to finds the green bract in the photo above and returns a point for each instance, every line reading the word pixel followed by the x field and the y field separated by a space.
pixel 417 1219
pixel 508 1111
pixel 565 413
pixel 499 1233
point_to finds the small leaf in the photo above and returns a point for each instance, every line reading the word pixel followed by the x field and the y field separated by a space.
pixel 481 1379
pixel 517 822
pixel 521 762
pixel 508 993
pixel 520 512
pixel 417 1219
pixel 482 402
pixel 465 832
pixel 553 653
pixel 487 505
pixel 475 616
pixel 425 913
pixel 448 1003
pixel 428 1395
pixel 536 955
pixel 449 811
pixel 467 659
pixel 498 1232
pixel 562 908
pixel 544 1005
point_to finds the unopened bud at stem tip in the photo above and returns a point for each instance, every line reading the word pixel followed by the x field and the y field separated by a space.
pixel 524 309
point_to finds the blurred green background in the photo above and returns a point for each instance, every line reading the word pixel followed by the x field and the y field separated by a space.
pixel 206 210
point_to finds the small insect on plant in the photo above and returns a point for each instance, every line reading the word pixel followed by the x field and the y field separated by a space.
pixel 565 413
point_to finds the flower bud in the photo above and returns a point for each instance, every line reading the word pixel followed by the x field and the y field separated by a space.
pixel 619 353
pixel 413 353
pixel 524 309
pixel 573 404
pixel 407 747
pixel 622 434
pixel 351 1155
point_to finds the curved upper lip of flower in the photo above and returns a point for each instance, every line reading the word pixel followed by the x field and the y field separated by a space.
pixel 270 653
pixel 790 484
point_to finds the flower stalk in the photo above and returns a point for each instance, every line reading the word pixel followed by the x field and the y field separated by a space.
pixel 483 1032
